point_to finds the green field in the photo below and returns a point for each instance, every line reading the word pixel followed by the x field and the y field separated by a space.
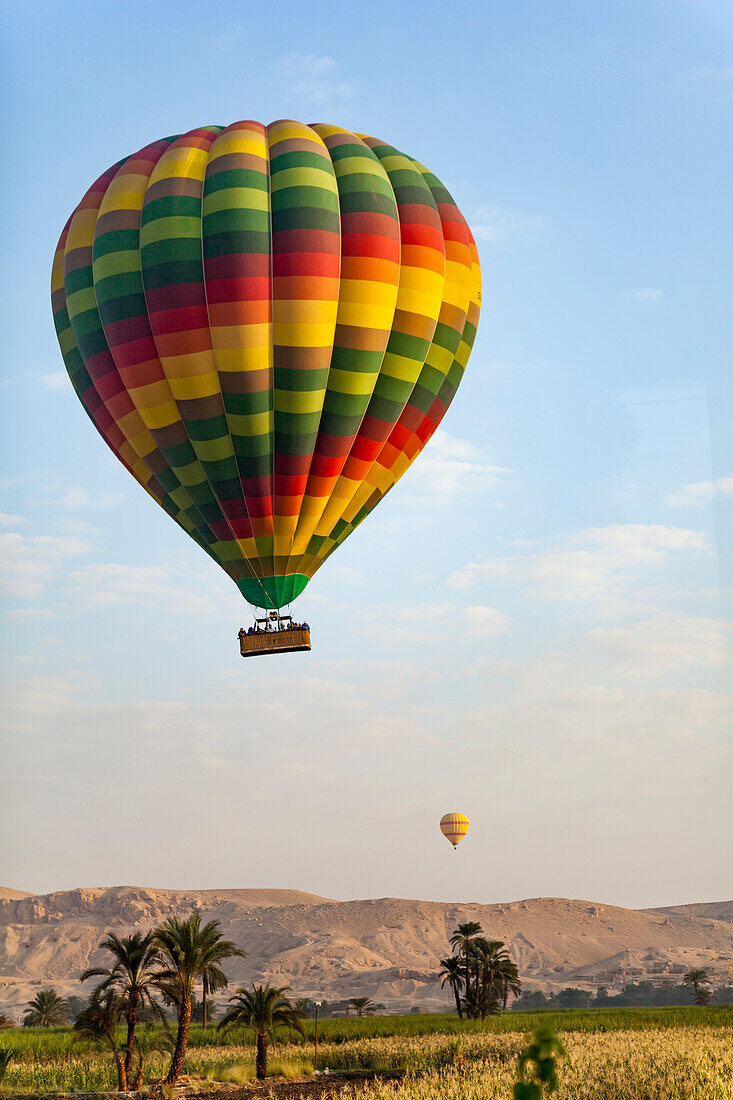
pixel 613 1054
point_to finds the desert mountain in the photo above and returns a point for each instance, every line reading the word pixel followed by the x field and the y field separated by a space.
pixel 387 948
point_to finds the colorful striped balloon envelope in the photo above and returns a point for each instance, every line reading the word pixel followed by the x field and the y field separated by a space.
pixel 266 324
pixel 454 827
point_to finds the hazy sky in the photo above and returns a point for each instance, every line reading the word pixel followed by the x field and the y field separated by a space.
pixel 531 627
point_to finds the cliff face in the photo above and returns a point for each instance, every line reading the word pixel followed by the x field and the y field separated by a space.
pixel 387 949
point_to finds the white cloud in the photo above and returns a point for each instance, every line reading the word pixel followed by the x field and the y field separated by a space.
pixel 449 466
pixel 30 564
pixel 33 700
pixel 596 566
pixel 111 583
pixel 496 226
pixel 59 380
pixel 228 729
pixel 700 492
pixel 314 78
pixel 75 499
pixel 347 574
pixel 647 543
pixel 393 625
pixel 19 614
pixel 428 623
pixel 27 564
pixel 628 681
pixel 7 520
pixel 484 621
pixel 663 646
pixel 647 294
pixel 557 714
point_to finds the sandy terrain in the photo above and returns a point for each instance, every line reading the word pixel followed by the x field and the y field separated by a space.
pixel 386 948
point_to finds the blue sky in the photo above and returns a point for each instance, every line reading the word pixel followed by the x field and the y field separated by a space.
pixel 534 627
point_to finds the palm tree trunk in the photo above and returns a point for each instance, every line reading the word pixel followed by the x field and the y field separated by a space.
pixel 131 1023
pixel 203 1002
pixel 138 1079
pixel 179 1052
pixel 261 1062
pixel 458 1001
pixel 121 1075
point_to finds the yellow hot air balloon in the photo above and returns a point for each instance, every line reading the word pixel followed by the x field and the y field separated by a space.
pixel 454 827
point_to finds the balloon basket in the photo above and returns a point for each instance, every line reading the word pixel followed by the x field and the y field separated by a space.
pixel 274 634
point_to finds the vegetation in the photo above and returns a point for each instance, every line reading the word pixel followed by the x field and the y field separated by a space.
pixel 263 1010
pixel 631 1052
pixel 643 994
pixel 453 972
pixel 46 1009
pixel 635 1053
pixel 537 1067
pixel 5 1022
pixel 168 962
pixel 462 943
pixel 481 973
pixel 5 1057
pixel 700 983
pixel 131 979
pixel 203 1012
pixel 100 1021
pixel 189 952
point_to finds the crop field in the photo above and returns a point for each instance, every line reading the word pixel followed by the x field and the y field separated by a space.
pixel 616 1054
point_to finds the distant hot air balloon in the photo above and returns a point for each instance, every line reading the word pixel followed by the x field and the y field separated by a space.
pixel 266 324
pixel 454 827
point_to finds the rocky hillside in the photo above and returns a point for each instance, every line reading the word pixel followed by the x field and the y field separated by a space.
pixel 386 948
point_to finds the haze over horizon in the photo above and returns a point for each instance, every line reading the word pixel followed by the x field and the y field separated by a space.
pixel 285 889
pixel 534 627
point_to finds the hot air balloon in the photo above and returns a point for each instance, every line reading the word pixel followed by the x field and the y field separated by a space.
pixel 454 827
pixel 266 324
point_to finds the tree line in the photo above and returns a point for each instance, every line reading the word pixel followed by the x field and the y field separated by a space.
pixel 695 988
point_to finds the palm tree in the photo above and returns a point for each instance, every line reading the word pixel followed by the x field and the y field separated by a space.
pixel 46 1009
pixel 700 982
pixel 262 1009
pixel 481 1003
pixel 100 1020
pixel 461 941
pixel 363 1006
pixel 5 1022
pixel 451 971
pixel 509 981
pixel 490 958
pixel 188 950
pixel 197 1010
pixel 213 977
pixel 131 977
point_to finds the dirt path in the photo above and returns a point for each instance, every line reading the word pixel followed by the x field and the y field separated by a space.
pixel 309 1088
